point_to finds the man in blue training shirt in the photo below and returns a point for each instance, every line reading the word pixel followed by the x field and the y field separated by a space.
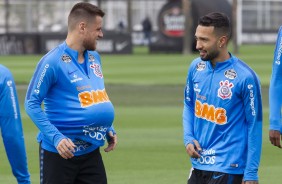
pixel 11 126
pixel 275 98
pixel 78 114
pixel 222 115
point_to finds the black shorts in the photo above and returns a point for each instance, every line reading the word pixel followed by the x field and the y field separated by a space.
pixel 84 169
pixel 210 177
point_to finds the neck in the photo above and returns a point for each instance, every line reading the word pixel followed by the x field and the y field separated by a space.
pixel 223 56
pixel 75 45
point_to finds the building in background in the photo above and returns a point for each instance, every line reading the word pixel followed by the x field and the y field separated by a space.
pixel 258 21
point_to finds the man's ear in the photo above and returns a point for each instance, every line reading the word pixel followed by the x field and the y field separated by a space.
pixel 82 26
pixel 222 41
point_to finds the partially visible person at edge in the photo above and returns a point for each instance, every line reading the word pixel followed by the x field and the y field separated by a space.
pixel 222 116
pixel 78 114
pixel 275 98
pixel 11 127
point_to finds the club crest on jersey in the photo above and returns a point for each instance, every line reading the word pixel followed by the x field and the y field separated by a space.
pixel 91 58
pixel 66 58
pixel 96 70
pixel 230 74
pixel 224 91
pixel 201 66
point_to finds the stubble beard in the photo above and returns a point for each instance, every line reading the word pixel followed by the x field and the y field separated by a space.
pixel 210 56
pixel 89 44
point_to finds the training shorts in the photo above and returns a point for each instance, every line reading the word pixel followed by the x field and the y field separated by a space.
pixel 210 177
pixel 83 169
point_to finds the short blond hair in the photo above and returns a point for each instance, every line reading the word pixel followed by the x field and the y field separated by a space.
pixel 83 12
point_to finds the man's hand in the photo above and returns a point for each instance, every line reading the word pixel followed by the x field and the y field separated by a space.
pixel 274 137
pixel 194 149
pixel 112 142
pixel 66 148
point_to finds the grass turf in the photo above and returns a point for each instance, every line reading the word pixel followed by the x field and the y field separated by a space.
pixel 146 90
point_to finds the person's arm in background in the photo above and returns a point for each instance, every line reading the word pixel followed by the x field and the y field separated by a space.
pixel 11 128
pixel 253 110
pixel 275 97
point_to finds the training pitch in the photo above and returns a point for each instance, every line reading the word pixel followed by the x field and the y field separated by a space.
pixel 147 92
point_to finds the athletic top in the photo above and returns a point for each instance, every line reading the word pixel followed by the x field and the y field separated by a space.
pixel 223 112
pixel 11 127
pixel 76 104
pixel 275 88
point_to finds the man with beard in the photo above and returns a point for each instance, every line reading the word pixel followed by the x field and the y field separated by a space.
pixel 222 115
pixel 78 114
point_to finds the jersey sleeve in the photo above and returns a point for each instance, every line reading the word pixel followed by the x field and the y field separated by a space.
pixel 188 110
pixel 253 110
pixel 13 139
pixel 11 129
pixel 44 77
pixel 111 129
pixel 275 88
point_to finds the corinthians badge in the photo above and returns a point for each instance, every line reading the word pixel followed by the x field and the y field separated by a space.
pixel 224 92
pixel 96 70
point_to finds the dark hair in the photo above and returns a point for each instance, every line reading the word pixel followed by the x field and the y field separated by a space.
pixel 83 11
pixel 219 21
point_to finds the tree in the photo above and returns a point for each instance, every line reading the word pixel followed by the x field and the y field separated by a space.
pixel 7 15
pixel 187 40
pixel 234 28
pixel 129 23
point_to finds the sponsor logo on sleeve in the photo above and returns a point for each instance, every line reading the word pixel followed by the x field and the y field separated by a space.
pixel 279 52
pixel 187 92
pixel 224 91
pixel 252 99
pixel 13 98
pixel 9 83
pixel 41 78
pixel 230 74
pixel 201 66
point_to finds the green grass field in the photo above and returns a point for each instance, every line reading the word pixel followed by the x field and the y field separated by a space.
pixel 147 91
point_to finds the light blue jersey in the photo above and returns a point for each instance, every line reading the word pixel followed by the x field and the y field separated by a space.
pixel 11 127
pixel 223 112
pixel 76 104
pixel 275 88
